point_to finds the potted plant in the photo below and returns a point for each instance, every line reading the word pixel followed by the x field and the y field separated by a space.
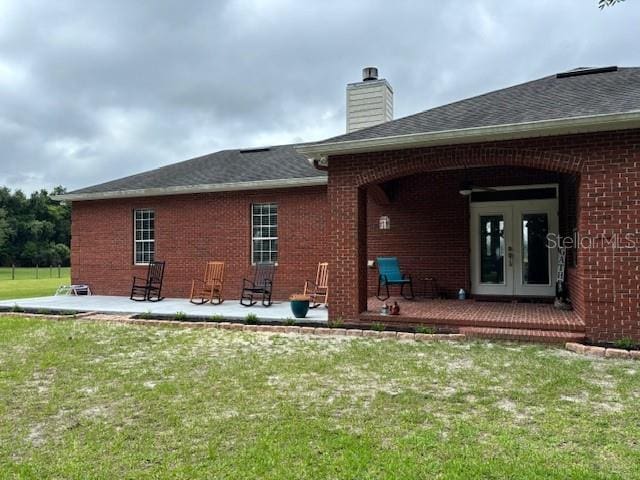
pixel 299 305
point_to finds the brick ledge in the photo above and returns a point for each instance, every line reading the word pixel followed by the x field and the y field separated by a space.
pixel 602 351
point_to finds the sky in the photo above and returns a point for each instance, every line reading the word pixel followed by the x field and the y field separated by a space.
pixel 96 90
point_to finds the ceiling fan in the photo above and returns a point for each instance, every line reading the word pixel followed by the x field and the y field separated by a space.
pixel 467 188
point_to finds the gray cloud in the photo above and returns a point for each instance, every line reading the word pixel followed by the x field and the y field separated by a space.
pixel 90 91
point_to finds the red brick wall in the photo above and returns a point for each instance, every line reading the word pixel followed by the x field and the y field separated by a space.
pixel 193 229
pixel 576 292
pixel 430 223
pixel 332 224
pixel 607 279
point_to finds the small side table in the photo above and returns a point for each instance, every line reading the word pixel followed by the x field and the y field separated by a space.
pixel 430 289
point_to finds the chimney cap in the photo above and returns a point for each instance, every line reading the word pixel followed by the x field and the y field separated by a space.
pixel 369 73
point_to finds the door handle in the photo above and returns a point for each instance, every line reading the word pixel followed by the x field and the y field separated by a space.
pixel 510 255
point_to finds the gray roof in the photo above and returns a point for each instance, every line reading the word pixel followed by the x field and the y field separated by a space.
pixel 267 165
pixel 547 98
pixel 578 93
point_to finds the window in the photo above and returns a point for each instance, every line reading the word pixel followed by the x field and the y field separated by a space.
pixel 144 231
pixel 264 228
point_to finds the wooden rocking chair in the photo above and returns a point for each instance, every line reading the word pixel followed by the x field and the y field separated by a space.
pixel 319 288
pixel 203 291
pixel 150 288
pixel 261 285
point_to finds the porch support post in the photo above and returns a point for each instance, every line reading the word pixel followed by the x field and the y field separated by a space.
pixel 348 251
pixel 609 250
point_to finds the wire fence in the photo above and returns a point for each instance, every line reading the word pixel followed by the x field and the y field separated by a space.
pixel 33 273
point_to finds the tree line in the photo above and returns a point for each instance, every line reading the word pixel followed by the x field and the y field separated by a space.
pixel 34 230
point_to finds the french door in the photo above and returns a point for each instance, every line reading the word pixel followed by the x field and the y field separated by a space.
pixel 509 247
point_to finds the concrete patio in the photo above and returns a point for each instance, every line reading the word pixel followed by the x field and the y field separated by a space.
pixel 230 309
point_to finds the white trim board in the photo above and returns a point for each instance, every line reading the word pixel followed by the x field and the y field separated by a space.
pixel 540 128
pixel 184 190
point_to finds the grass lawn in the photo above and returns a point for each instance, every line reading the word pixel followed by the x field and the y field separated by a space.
pixel 81 399
pixel 25 285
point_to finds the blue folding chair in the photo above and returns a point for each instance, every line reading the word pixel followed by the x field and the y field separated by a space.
pixel 389 274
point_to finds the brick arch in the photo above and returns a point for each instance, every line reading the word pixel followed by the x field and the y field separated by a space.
pixel 411 162
pixel 605 167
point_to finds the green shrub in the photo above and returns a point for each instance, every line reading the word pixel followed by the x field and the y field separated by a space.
pixel 145 315
pixel 43 311
pixel 180 316
pixel 289 321
pixel 17 308
pixel 216 318
pixel 251 319
pixel 336 323
pixel 68 313
pixel 425 329
pixel 377 326
pixel 625 342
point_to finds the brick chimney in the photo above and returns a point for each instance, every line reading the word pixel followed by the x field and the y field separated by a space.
pixel 369 102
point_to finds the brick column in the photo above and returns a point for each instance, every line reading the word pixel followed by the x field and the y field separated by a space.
pixel 348 250
pixel 609 252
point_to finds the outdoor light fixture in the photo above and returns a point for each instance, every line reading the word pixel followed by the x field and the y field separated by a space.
pixel 384 223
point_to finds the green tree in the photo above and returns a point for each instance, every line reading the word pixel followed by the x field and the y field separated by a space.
pixel 4 227
pixel 34 230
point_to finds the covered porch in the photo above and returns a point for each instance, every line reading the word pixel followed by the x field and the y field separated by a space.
pixel 490 231
pixel 486 222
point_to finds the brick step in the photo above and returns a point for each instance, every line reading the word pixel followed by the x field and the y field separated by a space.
pixel 521 334
pixel 516 324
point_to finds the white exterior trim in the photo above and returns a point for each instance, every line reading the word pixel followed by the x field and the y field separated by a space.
pixel 136 242
pixel 512 211
pixel 560 126
pixel 183 190
pixel 255 238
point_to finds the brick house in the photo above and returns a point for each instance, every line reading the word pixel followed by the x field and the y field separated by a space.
pixel 470 194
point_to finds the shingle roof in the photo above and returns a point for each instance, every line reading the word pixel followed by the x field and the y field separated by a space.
pixel 281 162
pixel 547 98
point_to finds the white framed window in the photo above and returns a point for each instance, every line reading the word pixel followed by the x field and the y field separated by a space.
pixel 144 235
pixel 264 233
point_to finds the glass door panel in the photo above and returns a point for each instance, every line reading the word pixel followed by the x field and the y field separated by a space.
pixel 536 263
pixel 535 254
pixel 492 249
pixel 491 263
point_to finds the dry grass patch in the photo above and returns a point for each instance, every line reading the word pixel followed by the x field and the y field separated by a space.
pixel 109 400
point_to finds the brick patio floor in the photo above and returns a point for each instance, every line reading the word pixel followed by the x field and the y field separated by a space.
pixel 481 314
